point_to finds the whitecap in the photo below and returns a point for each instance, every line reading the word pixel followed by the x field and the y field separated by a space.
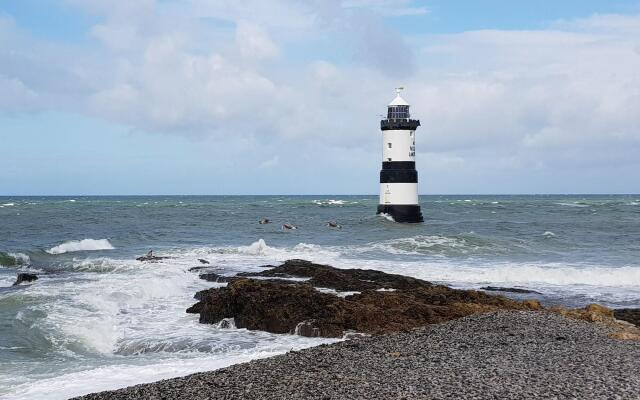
pixel 548 234
pixel 387 217
pixel 579 205
pixel 81 245
pixel 9 204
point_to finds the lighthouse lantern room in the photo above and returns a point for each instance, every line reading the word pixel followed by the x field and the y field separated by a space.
pixel 398 177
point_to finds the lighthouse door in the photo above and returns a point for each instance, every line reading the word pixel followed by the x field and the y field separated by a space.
pixel 387 195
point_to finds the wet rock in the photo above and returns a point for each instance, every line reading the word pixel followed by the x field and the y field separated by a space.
pixel 25 277
pixel 151 258
pixel 295 307
pixel 211 277
pixel 508 289
pixel 631 315
pixel 307 329
pixel 340 279
pixel 196 269
pixel 203 261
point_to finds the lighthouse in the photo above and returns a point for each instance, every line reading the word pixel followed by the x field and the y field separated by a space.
pixel 398 177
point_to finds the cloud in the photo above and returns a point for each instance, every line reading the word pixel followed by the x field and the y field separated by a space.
pixel 253 41
pixel 564 96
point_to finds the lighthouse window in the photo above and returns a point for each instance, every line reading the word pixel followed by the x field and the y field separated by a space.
pixel 398 112
pixel 389 145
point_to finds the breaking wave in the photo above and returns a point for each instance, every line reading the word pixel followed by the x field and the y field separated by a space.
pixel 333 202
pixel 81 245
pixel 13 259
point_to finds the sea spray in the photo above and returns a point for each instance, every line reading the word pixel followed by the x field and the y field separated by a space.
pixel 81 245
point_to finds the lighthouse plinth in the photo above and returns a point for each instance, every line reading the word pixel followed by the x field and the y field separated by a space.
pixel 398 177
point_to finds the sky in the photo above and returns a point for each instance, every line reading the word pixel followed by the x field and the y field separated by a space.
pixel 119 97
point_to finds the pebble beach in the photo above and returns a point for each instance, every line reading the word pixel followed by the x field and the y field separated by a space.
pixel 501 355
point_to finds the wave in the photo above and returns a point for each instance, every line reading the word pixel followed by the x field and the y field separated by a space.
pixel 13 259
pixel 333 202
pixel 576 204
pixel 386 216
pixel 81 245
pixel 468 272
pixel 7 205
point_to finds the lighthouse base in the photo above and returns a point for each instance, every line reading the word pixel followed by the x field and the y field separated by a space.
pixel 402 213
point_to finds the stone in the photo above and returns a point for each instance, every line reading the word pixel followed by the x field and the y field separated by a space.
pixel 631 315
pixel 25 277
pixel 203 261
pixel 211 277
pixel 297 307
pixel 339 279
pixel 151 258
pixel 508 289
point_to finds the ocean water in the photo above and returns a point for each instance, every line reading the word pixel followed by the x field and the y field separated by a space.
pixel 97 319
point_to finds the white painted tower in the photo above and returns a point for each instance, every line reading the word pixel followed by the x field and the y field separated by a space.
pixel 398 177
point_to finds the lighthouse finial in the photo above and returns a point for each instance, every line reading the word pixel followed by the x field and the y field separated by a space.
pixel 399 89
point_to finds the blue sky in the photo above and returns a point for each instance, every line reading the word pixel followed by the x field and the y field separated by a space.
pixel 284 97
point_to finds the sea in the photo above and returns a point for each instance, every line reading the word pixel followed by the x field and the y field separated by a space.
pixel 97 319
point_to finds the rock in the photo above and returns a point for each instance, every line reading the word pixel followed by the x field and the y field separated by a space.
pixel 508 289
pixel 600 315
pixel 297 307
pixel 211 277
pixel 151 258
pixel 625 335
pixel 196 269
pixel 533 305
pixel 25 277
pixel 345 280
pixel 203 261
pixel 631 315
pixel 307 328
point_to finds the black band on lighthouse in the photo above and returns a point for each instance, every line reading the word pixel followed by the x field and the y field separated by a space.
pixel 398 165
pixel 398 176
pixel 399 124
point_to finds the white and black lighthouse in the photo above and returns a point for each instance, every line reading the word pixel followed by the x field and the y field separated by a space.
pixel 398 177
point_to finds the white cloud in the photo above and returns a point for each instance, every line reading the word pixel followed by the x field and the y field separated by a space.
pixel 565 95
pixel 253 41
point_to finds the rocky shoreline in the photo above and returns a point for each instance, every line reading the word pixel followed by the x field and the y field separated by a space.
pixel 308 299
pixel 409 339
pixel 506 354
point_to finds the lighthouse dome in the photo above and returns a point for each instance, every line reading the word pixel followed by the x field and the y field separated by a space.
pixel 398 101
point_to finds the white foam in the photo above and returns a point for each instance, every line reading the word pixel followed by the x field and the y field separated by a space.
pixel 548 234
pixel 573 205
pixel 336 292
pixel 81 245
pixel 9 204
pixel 387 217
pixel 332 202
pixel 116 376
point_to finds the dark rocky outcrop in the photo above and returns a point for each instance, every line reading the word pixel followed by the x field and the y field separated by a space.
pixel 340 279
pixel 25 277
pixel 203 261
pixel 509 290
pixel 631 315
pixel 211 277
pixel 297 307
pixel 151 258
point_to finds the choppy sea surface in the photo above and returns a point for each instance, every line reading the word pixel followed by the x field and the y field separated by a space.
pixel 97 319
